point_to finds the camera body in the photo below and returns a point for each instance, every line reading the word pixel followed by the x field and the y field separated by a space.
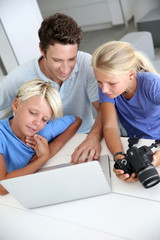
pixel 139 160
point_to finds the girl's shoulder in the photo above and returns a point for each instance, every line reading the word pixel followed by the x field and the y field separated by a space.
pixel 148 76
pixel 148 79
pixel 149 85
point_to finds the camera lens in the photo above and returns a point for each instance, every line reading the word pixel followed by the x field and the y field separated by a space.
pixel 149 177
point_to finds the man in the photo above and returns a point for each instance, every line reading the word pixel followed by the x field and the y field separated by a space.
pixel 70 73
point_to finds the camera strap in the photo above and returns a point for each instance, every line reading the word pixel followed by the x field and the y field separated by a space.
pixel 157 141
pixel 134 140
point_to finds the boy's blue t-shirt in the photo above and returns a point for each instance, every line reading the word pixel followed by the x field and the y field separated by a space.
pixel 140 116
pixel 16 153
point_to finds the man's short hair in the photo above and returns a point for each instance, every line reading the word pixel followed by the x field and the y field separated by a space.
pixel 59 28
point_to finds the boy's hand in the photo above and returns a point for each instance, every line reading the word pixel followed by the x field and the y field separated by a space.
pixel 30 141
pixel 41 146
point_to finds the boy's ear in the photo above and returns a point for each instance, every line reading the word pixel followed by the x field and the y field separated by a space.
pixel 15 105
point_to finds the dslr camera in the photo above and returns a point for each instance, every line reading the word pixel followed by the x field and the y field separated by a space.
pixel 139 160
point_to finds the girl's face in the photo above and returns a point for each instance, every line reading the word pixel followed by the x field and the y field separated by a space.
pixel 30 116
pixel 111 85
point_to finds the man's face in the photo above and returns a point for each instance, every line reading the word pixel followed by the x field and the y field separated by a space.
pixel 59 61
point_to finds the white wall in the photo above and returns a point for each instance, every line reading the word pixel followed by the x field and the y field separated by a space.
pixel 127 9
pixel 89 14
pixel 6 52
pixel 85 12
pixel 21 20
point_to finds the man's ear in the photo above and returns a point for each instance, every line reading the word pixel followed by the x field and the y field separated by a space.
pixel 42 53
pixel 15 105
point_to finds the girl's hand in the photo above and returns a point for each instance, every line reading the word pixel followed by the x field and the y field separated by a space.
pixel 156 158
pixel 120 173
pixel 41 146
pixel 125 176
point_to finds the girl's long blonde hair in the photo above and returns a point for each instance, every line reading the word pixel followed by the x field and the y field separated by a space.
pixel 118 58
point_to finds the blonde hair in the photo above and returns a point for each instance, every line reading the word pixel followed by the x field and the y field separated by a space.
pixel 118 58
pixel 38 87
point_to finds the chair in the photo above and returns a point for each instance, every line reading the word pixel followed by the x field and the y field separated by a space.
pixel 141 41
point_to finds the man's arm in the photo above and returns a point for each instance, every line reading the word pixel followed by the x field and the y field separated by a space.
pixel 8 92
pixel 90 148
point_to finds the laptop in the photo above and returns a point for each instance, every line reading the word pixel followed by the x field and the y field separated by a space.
pixel 61 183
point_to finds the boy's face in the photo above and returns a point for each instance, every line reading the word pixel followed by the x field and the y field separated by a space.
pixel 59 61
pixel 30 116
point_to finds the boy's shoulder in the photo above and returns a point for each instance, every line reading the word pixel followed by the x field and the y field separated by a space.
pixel 4 128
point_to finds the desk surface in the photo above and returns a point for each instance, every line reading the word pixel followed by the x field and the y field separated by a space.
pixel 129 212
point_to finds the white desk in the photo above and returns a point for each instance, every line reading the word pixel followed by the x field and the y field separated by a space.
pixel 129 212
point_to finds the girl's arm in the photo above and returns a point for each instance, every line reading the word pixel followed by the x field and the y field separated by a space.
pixel 112 137
pixel 110 128
pixel 42 155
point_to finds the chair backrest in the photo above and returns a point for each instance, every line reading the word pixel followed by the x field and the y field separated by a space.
pixel 7 111
pixel 141 41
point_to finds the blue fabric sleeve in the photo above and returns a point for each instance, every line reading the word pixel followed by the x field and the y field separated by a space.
pixel 152 88
pixel 1 143
pixel 103 97
pixel 56 127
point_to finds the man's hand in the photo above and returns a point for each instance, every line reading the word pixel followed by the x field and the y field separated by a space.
pixel 88 150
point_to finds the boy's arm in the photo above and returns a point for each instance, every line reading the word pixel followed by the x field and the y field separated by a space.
pixel 59 142
pixel 42 156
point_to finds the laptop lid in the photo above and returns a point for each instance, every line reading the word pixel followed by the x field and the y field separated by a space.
pixel 61 183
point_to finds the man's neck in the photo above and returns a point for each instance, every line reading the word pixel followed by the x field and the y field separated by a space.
pixel 43 69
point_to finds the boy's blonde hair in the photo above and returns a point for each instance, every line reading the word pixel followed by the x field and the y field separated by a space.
pixel 38 87
pixel 118 58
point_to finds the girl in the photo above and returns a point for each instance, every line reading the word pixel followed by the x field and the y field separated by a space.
pixel 36 103
pixel 129 87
